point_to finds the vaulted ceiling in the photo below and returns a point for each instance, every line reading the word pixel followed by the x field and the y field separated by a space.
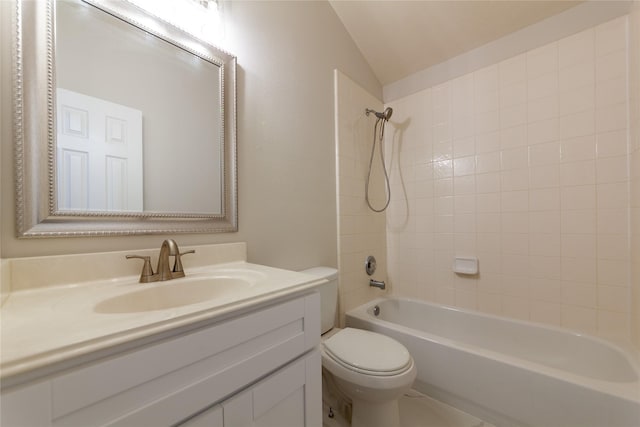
pixel 399 38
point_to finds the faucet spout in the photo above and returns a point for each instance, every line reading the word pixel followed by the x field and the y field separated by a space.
pixel 169 248
pixel 377 283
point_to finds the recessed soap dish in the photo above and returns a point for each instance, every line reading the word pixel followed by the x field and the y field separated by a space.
pixel 465 265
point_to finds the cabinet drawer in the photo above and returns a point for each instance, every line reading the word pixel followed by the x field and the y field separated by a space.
pixel 163 383
pixel 289 397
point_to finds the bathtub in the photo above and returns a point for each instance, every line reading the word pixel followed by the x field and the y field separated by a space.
pixel 509 372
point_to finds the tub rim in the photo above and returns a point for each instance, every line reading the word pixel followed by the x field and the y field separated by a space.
pixel 625 390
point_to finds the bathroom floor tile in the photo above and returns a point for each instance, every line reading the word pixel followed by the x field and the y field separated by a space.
pixel 418 410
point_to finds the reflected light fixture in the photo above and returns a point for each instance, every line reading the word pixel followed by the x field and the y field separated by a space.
pixel 200 18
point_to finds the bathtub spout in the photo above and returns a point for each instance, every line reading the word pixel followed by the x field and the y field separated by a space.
pixel 377 283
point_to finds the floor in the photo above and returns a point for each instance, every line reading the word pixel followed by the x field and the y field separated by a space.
pixel 418 410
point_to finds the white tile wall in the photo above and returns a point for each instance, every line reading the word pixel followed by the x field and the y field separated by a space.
pixel 525 165
pixel 361 232
pixel 609 271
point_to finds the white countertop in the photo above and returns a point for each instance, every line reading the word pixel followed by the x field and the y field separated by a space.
pixel 47 325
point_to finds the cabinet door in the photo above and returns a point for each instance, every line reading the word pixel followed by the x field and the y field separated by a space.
pixel 291 397
pixel 212 417
pixel 26 406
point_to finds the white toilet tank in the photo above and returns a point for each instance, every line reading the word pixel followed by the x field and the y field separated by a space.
pixel 328 295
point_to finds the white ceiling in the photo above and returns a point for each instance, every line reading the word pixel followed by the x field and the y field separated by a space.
pixel 399 38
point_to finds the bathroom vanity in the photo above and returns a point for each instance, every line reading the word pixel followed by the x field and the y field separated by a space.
pixel 234 359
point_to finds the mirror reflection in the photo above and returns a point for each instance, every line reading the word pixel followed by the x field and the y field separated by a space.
pixel 138 119
pixel 127 124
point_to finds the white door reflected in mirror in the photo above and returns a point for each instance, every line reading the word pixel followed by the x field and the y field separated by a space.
pixel 99 150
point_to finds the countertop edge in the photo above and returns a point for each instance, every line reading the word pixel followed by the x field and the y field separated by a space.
pixel 17 371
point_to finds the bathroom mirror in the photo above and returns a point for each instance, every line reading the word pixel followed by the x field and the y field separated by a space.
pixel 124 124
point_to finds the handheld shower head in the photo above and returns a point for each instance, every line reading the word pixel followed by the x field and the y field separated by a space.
pixel 385 115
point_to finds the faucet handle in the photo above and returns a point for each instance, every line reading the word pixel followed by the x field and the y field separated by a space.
pixel 147 272
pixel 178 271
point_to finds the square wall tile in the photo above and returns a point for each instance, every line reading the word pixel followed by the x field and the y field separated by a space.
pixel 613 272
pixel 577 124
pixel 488 162
pixel 542 86
pixel 542 108
pixel 545 199
pixel 514 115
pixel 574 98
pixel 613 325
pixel 580 318
pixel 611 36
pixel 464 147
pixel 542 60
pixel 578 173
pixel 546 312
pixel 613 246
pixel 614 298
pixel 544 177
pixel 487 142
pixel 511 94
pixel 549 290
pixel 612 117
pixel 464 166
pixel 547 266
pixel 612 169
pixel 512 70
pixel 613 221
pixel 544 222
pixel 515 201
pixel 578 149
pixel 611 144
pixel 577 48
pixel 544 154
pixel 580 75
pixel 581 197
pixel 543 131
pixel 514 180
pixel 488 183
pixel 579 246
pixel 579 270
pixel 486 81
pixel 612 65
pixel 612 91
pixel 579 222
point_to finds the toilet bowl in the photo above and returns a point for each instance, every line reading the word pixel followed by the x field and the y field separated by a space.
pixel 372 370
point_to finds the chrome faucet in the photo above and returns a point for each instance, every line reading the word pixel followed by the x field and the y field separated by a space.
pixel 163 272
pixel 377 283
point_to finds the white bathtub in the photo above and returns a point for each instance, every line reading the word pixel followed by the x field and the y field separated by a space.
pixel 509 372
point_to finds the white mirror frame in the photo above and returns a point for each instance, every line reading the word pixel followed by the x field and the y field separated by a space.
pixel 34 135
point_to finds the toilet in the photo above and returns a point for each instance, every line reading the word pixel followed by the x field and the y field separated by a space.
pixel 371 369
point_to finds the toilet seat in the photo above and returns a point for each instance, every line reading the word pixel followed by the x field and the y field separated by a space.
pixel 367 352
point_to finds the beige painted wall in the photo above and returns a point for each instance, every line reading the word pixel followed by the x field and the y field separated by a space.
pixel 287 52
pixel 523 164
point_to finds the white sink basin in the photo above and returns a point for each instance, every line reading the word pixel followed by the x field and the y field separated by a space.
pixel 175 293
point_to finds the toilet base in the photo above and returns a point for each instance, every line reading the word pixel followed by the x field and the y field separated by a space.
pixel 375 414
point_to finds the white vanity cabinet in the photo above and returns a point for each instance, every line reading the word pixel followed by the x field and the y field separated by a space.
pixel 261 368
pixel 286 398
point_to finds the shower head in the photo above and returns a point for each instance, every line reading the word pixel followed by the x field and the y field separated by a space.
pixel 385 115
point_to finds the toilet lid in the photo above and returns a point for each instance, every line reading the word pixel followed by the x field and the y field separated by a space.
pixel 368 352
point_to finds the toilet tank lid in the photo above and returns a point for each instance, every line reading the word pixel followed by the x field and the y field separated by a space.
pixel 328 273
